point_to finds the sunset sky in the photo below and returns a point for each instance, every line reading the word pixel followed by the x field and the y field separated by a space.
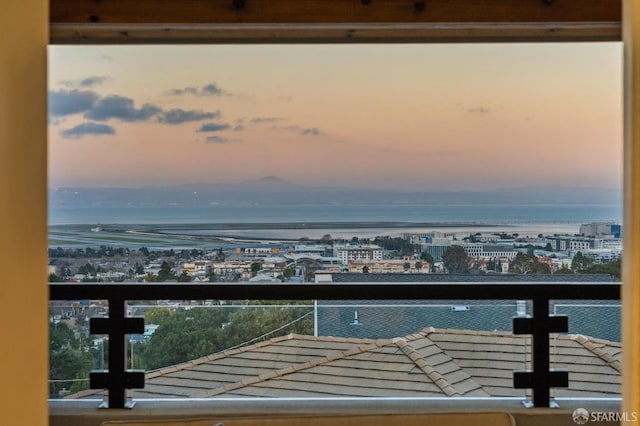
pixel 408 117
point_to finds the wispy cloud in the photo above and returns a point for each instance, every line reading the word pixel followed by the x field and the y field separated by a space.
pixel 85 82
pixel 87 128
pixel 479 110
pixel 210 89
pixel 179 116
pixel 220 140
pixel 277 123
pixel 312 131
pixel 69 102
pixel 305 131
pixel 258 120
pixel 213 127
pixel 121 108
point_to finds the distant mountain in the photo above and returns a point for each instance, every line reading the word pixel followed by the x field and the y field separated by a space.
pixel 275 190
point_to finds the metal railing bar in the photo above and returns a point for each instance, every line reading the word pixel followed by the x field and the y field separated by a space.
pixel 342 291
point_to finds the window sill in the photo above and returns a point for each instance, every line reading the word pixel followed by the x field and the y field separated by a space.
pixel 87 413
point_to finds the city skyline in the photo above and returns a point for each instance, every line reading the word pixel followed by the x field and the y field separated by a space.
pixel 405 117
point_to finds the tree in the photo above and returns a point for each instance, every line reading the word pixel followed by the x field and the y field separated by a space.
pixel 165 272
pixel 150 278
pixel 247 324
pixel 288 272
pixel 53 278
pixel 580 262
pixel 220 255
pixel 491 265
pixel 138 269
pixel 528 264
pixel 189 334
pixel 365 269
pixel 456 260
pixel 326 238
pixel 564 270
pixel 612 268
pixel 401 246
pixel 184 277
pixel 429 259
pixel 183 335
pixel 67 359
pixel 426 257
pixel 418 266
pixel 87 269
pixel 255 267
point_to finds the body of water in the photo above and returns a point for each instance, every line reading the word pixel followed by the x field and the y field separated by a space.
pixel 264 223
pixel 489 214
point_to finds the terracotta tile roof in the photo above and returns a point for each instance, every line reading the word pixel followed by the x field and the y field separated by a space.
pixel 433 362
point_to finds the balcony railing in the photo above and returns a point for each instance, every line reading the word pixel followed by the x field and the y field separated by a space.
pixel 540 379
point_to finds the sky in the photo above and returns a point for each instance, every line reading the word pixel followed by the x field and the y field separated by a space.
pixel 406 117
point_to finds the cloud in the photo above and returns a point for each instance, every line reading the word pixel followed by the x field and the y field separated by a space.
pixel 479 110
pixel 68 102
pixel 210 89
pixel 213 127
pixel 55 121
pixel 239 127
pixel 85 82
pixel 184 91
pixel 87 128
pixel 312 131
pixel 306 131
pixel 266 120
pixel 122 108
pixel 179 116
pixel 220 140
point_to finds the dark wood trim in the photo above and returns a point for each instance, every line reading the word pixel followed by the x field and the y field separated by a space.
pixel 331 11
pixel 331 33
pixel 309 21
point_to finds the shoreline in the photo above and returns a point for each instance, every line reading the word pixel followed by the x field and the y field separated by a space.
pixel 282 225
pixel 243 234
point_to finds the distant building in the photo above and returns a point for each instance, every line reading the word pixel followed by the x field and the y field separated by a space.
pixel 320 250
pixel 199 267
pixel 495 251
pixel 599 229
pixel 603 255
pixel 573 243
pixel 389 266
pixel 241 269
pixel 435 250
pixel 474 250
pixel 258 251
pixel 348 253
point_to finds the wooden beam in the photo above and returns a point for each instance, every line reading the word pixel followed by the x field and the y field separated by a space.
pixel 327 33
pixel 304 21
pixel 631 215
